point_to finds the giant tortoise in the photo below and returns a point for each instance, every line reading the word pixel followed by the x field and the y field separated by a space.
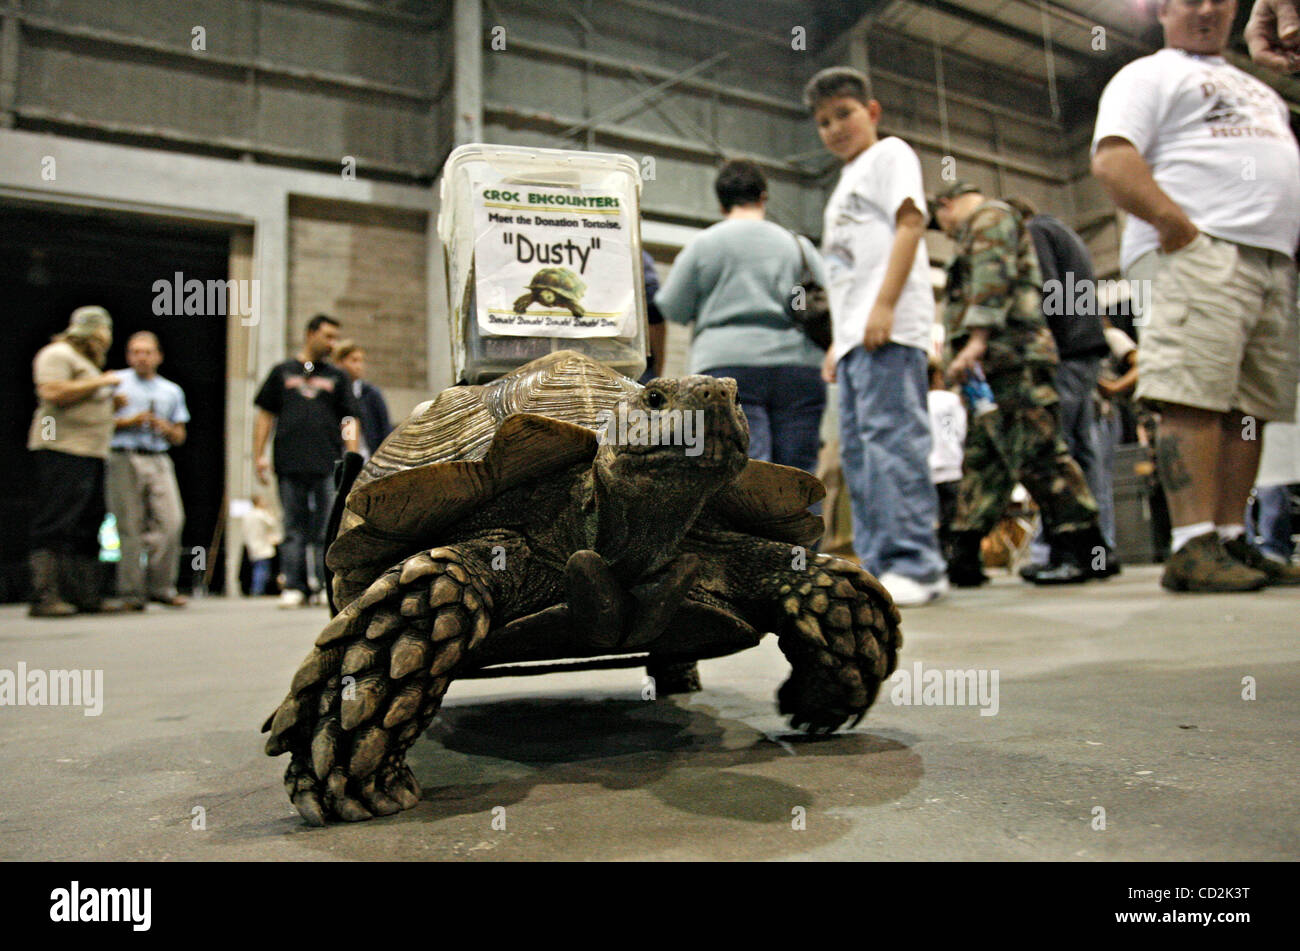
pixel 525 520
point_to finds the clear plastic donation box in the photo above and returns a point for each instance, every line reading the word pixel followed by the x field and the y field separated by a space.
pixel 542 249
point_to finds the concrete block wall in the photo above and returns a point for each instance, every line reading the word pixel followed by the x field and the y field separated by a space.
pixel 367 266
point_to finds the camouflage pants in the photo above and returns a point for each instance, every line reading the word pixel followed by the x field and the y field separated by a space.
pixel 1020 441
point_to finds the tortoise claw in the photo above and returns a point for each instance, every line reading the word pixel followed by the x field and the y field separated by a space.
pixel 841 636
pixel 357 705
pixel 308 805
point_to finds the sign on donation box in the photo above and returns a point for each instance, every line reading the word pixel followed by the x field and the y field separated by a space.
pixel 543 253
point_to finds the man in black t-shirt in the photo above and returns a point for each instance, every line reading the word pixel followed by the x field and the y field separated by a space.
pixel 315 416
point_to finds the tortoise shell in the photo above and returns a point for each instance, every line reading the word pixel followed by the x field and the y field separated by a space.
pixel 456 452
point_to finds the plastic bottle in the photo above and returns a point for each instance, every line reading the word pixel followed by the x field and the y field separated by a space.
pixel 110 544
pixel 979 392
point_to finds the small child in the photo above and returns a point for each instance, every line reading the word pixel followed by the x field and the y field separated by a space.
pixel 262 533
pixel 948 438
pixel 882 309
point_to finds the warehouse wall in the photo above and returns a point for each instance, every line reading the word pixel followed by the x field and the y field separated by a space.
pixel 366 266
pixel 282 80
pixel 563 66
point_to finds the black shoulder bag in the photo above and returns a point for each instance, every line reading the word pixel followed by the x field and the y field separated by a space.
pixel 814 318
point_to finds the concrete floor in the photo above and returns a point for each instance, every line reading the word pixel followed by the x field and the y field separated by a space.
pixel 1113 694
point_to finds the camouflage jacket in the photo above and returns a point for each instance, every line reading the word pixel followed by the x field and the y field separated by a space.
pixel 994 282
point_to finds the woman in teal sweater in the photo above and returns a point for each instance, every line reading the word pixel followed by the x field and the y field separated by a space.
pixel 733 281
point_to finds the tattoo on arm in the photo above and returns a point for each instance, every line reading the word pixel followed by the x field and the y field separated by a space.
pixel 1169 462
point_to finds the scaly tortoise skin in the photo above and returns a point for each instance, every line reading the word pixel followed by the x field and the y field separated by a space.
pixel 494 525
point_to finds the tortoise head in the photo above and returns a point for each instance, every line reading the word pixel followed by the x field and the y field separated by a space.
pixel 690 428
pixel 664 452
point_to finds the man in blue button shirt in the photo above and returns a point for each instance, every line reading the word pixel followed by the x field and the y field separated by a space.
pixel 141 482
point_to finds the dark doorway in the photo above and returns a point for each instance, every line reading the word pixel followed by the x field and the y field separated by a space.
pixel 53 261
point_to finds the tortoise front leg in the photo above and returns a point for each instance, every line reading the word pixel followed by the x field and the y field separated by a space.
pixel 835 624
pixel 375 680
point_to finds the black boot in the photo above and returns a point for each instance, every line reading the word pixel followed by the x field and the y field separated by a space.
pixel 965 570
pixel 1063 568
pixel 1077 557
pixel 82 578
pixel 1098 557
pixel 46 598
pixel 1093 554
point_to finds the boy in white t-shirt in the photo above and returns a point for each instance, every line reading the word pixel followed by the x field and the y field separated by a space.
pixel 882 307
pixel 1201 156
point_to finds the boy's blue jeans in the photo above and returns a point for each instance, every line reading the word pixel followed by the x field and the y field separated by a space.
pixel 885 452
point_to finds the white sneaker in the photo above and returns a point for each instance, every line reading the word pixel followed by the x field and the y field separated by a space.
pixel 292 598
pixel 909 593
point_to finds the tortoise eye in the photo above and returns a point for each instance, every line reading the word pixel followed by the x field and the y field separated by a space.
pixel 655 399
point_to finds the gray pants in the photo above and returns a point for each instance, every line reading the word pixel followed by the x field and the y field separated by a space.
pixel 143 496
pixel 1076 379
pixel 1109 430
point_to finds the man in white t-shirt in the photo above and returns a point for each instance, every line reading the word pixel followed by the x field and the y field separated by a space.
pixel 1201 156
pixel 882 307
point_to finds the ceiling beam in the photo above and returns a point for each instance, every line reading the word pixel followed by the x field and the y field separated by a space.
pixel 980 21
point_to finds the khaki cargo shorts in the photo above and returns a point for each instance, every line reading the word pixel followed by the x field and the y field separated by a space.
pixel 1220 332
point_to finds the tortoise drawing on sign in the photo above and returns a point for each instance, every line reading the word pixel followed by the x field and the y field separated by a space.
pixel 554 287
pixel 495 525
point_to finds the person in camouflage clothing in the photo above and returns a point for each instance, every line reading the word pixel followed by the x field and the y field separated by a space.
pixel 994 321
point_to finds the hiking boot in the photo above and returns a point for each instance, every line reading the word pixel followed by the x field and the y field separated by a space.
pixel 1277 572
pixel 1204 565
pixel 46 599
pixel 965 569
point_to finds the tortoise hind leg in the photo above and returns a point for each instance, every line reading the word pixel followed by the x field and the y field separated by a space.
pixel 375 681
pixel 835 624
pixel 674 676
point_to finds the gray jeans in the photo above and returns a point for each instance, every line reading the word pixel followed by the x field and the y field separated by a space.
pixel 142 494
pixel 1109 430
pixel 1076 378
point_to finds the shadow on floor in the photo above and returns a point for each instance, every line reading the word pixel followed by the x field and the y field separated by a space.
pixel 681 754
pixel 594 777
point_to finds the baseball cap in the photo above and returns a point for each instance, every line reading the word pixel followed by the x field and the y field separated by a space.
pixel 953 190
pixel 86 321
